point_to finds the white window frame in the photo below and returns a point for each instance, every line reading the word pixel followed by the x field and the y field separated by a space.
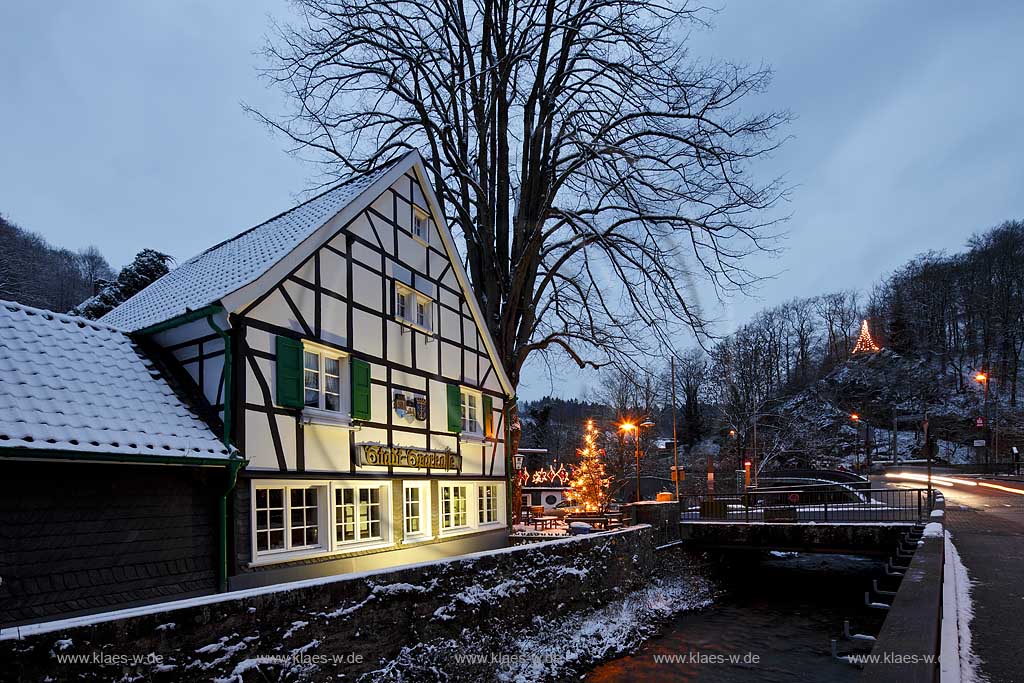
pixel 326 520
pixel 447 490
pixel 493 497
pixel 421 218
pixel 320 414
pixel 425 531
pixel 411 299
pixel 465 403
pixel 288 551
pixel 473 523
pixel 384 504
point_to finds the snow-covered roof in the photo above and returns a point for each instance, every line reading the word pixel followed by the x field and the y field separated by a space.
pixel 71 384
pixel 226 267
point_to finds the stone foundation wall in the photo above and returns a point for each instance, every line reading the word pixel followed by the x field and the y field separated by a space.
pixel 357 623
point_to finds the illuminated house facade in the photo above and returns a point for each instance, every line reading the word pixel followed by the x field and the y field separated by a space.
pixel 340 346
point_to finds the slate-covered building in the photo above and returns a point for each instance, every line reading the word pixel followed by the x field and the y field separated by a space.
pixel 110 478
pixel 342 349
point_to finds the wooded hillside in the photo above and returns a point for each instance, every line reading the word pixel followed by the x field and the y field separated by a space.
pixel 35 273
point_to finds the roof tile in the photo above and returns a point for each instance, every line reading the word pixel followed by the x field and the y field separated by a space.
pixel 72 384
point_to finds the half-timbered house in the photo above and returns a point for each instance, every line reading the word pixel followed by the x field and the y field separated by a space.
pixel 344 352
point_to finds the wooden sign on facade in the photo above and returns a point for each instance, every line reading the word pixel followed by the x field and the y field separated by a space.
pixel 398 456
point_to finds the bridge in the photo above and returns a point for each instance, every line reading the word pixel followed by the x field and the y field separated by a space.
pixel 817 518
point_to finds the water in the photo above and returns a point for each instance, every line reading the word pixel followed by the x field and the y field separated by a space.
pixel 783 611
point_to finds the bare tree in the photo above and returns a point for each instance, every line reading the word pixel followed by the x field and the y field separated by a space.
pixel 592 167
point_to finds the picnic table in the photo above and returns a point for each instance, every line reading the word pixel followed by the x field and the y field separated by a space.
pixel 543 522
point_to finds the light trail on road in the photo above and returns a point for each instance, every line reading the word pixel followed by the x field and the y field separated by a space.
pixel 953 481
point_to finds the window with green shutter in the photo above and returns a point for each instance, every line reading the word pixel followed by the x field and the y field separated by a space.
pixel 289 393
pixel 454 408
pixel 488 416
pixel 360 389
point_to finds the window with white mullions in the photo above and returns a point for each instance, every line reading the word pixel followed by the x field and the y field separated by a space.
pixel 411 304
pixel 413 510
pixel 322 380
pixel 369 513
pixel 332 384
pixel 286 518
pixel 345 513
pixel 454 506
pixel 471 413
pixel 402 304
pixel 305 518
pixel 421 224
pixel 311 378
pixel 487 504
pixel 358 514
pixel 270 519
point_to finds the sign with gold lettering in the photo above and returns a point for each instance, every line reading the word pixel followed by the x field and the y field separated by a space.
pixel 400 456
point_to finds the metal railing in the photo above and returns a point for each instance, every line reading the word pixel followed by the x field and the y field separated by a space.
pixel 813 505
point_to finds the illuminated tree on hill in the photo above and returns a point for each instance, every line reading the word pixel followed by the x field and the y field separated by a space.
pixel 865 344
pixel 588 485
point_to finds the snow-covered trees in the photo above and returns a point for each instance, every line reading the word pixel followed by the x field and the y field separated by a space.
pixel 148 266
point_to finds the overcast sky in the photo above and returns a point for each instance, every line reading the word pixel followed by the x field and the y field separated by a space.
pixel 121 126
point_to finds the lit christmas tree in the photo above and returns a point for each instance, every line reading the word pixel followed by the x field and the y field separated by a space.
pixel 865 344
pixel 588 485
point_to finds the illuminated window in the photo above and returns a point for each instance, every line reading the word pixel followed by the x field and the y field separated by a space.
pixel 416 509
pixel 471 413
pixel 454 506
pixel 487 503
pixel 358 514
pixel 286 518
pixel 322 378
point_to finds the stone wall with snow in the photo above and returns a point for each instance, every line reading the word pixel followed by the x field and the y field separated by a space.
pixel 372 621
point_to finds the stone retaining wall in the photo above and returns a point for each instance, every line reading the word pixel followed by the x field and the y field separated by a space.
pixel 365 620
pixel 910 640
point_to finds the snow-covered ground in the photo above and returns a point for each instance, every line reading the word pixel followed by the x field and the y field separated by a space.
pixel 957 662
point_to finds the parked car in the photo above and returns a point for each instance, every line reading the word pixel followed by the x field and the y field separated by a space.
pixel 565 508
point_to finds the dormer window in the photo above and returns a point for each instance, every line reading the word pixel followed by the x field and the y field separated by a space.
pixel 421 224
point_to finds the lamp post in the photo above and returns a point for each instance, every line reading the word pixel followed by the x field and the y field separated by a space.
pixel 635 428
pixel 982 378
pixel 856 451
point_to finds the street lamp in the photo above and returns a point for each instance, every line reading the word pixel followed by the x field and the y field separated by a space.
pixel 856 418
pixel 982 378
pixel 630 427
pixel 517 461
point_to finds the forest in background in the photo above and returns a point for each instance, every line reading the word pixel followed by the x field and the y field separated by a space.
pixel 940 318
pixel 35 273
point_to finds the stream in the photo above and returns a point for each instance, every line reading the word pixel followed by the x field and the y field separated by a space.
pixel 772 621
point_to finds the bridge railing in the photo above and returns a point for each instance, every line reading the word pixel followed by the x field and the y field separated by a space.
pixel 801 505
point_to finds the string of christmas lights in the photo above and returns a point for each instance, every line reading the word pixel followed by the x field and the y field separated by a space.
pixel 588 484
pixel 865 344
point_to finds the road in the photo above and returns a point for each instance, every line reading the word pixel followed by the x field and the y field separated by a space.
pixel 987 526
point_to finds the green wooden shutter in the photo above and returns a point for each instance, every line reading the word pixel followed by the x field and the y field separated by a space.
pixel 360 389
pixel 488 417
pixel 289 388
pixel 454 408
